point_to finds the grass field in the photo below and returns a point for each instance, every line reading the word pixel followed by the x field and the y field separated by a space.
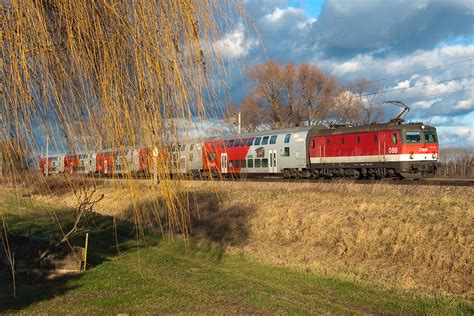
pixel 409 237
pixel 164 276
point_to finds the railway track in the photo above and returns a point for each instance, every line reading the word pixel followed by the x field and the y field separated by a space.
pixel 428 181
pixel 435 182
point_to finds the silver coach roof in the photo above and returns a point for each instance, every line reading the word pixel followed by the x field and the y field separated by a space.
pixel 270 132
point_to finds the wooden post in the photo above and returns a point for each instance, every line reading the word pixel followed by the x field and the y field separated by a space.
pixel 86 247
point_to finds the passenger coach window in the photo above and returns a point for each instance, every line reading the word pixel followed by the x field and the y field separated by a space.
pixel 223 144
pixel 236 163
pixel 243 163
pixel 257 141
pixel 265 140
pixel 342 140
pixel 237 143
pixel 313 143
pixel 287 152
pixel 257 163
pixel 250 163
pixel 230 143
pixel 430 137
pixel 376 138
pixel 287 138
pixel 273 139
pixel 264 163
pixel 395 138
pixel 413 137
pixel 250 141
pixel 358 139
pixel 327 141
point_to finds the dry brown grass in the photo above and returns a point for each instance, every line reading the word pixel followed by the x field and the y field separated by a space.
pixel 413 237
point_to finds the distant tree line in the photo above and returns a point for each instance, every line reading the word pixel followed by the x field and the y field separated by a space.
pixel 456 162
pixel 296 95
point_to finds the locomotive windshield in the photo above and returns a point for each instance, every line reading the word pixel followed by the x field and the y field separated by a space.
pixel 413 137
pixel 430 137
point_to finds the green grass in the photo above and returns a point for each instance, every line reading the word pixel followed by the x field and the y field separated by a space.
pixel 164 276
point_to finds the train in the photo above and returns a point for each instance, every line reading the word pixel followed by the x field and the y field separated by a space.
pixel 372 151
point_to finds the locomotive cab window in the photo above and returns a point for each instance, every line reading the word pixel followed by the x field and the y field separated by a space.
pixel 223 144
pixel 257 141
pixel 413 137
pixel 265 140
pixel 237 143
pixel 430 137
pixel 287 138
pixel 395 138
pixel 273 139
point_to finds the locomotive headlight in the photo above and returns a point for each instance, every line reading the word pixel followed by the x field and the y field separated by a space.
pixel 434 155
pixel 412 155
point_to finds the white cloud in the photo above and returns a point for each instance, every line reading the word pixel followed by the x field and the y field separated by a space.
pixel 464 105
pixel 403 84
pixel 235 44
pixel 466 133
pixel 278 14
pixel 425 104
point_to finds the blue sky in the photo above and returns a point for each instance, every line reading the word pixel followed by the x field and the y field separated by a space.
pixel 373 39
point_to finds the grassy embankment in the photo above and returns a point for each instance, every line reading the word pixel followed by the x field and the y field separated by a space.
pixel 162 276
pixel 408 237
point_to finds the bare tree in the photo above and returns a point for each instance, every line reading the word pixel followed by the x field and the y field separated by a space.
pixel 268 91
pixel 290 96
pixel 346 108
pixel 456 162
pixel 368 94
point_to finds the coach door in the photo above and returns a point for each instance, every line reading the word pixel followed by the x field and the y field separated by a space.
pixel 105 166
pixel 381 146
pixel 273 161
pixel 224 163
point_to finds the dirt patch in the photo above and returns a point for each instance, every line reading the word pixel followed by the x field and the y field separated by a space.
pixel 27 255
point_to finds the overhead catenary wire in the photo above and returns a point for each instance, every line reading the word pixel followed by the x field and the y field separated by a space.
pixel 437 94
pixel 415 86
pixel 418 71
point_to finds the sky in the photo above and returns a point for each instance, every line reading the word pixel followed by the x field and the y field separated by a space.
pixel 422 50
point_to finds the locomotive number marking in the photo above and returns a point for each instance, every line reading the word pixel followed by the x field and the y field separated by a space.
pixel 393 150
pixel 423 150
